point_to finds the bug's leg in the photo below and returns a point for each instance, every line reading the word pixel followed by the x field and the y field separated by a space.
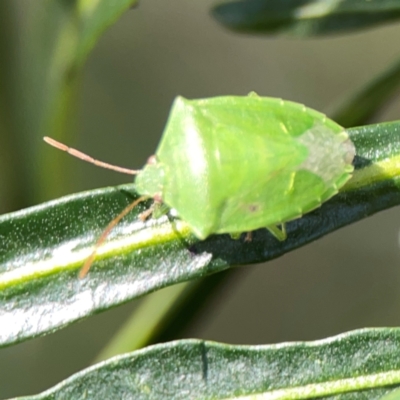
pixel 248 237
pixel 160 209
pixel 146 214
pixel 89 261
pixel 157 210
pixel 279 233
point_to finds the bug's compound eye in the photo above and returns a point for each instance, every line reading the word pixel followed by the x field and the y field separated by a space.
pixel 152 160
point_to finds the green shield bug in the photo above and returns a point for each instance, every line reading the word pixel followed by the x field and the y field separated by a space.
pixel 233 164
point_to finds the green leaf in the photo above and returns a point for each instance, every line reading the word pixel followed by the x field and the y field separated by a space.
pixel 43 248
pixel 305 18
pixel 356 365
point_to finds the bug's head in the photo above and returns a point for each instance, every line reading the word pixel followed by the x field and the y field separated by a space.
pixel 150 180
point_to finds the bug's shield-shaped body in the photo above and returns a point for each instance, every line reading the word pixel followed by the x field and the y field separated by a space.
pixel 235 164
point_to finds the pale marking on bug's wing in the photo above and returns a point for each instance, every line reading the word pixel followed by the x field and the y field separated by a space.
pixel 350 151
pixel 328 154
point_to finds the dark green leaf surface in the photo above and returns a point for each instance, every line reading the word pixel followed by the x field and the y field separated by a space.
pixel 363 364
pixel 305 17
pixel 43 248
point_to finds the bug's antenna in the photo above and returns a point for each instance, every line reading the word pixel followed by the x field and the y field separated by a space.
pixel 89 261
pixel 85 157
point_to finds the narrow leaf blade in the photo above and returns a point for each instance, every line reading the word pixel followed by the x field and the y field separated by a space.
pixel 305 18
pixel 356 365
pixel 43 248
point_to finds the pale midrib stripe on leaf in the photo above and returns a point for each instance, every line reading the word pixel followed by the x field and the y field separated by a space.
pixel 64 259
pixel 378 171
pixel 314 390
pixel 327 8
pixel 318 10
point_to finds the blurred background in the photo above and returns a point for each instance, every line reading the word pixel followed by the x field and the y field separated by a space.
pixel 156 51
